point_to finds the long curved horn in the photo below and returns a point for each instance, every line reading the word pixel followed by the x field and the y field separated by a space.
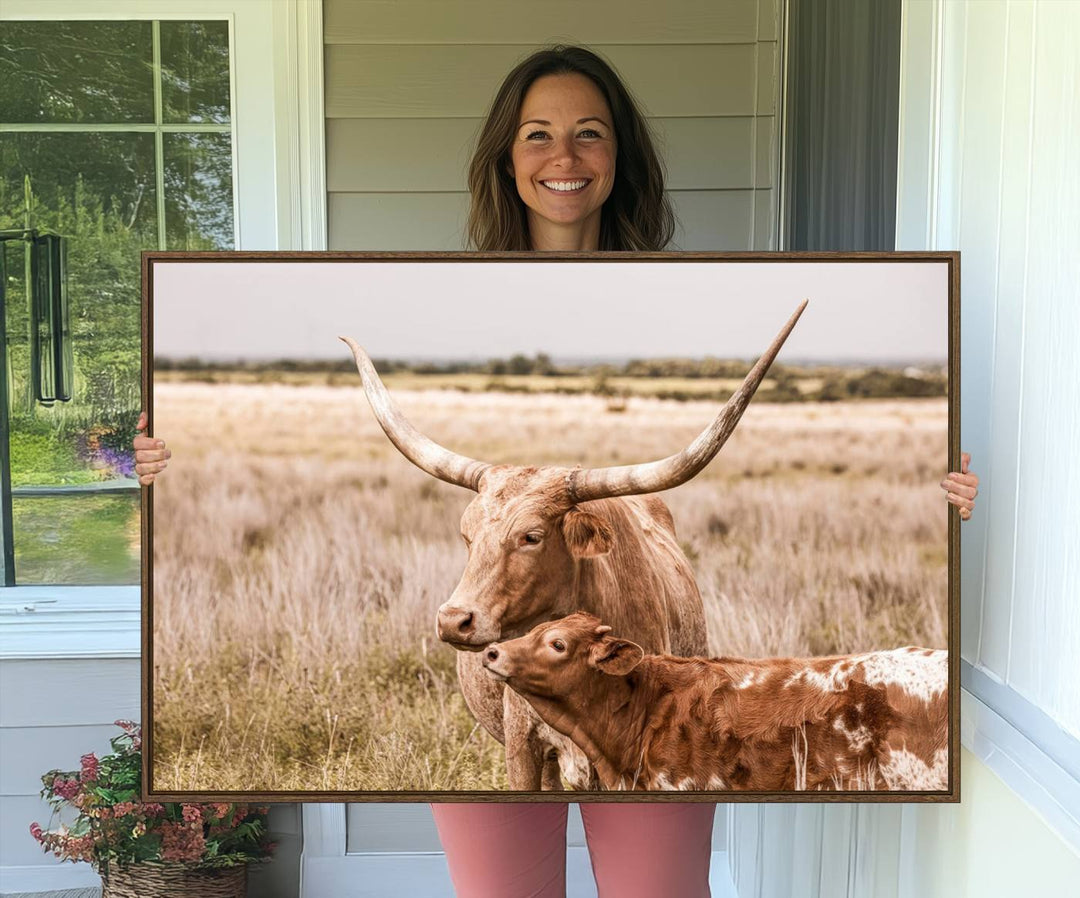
pixel 425 453
pixel 651 477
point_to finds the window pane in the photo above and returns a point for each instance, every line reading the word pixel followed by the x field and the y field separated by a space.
pixel 195 71
pixel 80 182
pixel 76 72
pixel 98 191
pixel 198 192
pixel 78 540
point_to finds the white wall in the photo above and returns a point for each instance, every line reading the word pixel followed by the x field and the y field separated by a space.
pixel 991 844
pixel 990 137
pixel 1008 198
pixel 989 150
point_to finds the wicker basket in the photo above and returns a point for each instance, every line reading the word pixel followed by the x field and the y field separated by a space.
pixel 174 881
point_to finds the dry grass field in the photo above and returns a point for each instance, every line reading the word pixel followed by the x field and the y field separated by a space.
pixel 299 561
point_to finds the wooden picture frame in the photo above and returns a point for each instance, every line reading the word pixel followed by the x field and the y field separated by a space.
pixel 878 326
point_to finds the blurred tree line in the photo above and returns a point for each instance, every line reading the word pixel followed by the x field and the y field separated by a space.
pixel 785 383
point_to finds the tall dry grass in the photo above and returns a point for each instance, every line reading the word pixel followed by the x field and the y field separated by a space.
pixel 299 560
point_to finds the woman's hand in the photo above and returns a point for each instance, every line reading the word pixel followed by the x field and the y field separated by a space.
pixel 962 487
pixel 151 456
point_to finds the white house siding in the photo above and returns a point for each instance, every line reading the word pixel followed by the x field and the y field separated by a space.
pixel 408 83
pixel 54 710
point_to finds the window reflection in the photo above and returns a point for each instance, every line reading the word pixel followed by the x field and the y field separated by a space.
pixel 59 72
pixel 125 178
pixel 198 192
pixel 195 71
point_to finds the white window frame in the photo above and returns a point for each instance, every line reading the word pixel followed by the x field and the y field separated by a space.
pixel 279 196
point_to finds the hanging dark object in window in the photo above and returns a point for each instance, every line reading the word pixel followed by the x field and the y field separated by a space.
pixel 51 363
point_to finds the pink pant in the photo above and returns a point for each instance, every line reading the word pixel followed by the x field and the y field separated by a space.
pixel 519 850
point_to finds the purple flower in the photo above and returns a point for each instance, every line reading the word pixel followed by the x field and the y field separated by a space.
pixel 120 462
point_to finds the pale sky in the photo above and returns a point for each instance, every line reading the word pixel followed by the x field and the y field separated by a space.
pixel 478 310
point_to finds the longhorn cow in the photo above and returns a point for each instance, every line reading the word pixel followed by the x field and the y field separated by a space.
pixel 546 541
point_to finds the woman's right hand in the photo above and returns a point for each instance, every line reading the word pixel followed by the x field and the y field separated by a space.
pixel 961 487
pixel 151 456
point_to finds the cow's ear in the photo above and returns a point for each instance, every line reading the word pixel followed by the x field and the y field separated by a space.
pixel 587 534
pixel 616 656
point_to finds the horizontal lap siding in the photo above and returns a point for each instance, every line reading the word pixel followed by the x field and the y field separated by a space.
pixel 408 84
pixel 526 22
pixel 396 221
pixel 28 752
pixel 52 713
pixel 379 155
pixel 460 80
pixel 707 219
pixel 59 693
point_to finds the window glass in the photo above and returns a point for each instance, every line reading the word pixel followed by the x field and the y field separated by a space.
pixel 198 191
pixel 62 72
pixel 195 71
pixel 113 182
pixel 83 540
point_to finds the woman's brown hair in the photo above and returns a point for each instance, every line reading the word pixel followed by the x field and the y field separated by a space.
pixel 637 214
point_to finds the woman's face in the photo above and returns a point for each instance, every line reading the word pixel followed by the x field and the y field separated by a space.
pixel 563 156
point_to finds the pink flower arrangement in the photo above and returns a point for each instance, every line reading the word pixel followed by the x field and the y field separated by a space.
pixel 181 842
pixel 114 827
pixel 66 788
pixel 89 768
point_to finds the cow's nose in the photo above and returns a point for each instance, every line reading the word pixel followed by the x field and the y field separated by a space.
pixel 492 653
pixel 453 623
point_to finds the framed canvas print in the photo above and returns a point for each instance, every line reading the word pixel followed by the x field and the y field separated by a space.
pixel 561 527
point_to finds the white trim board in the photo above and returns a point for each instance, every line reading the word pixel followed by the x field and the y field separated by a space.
pixel 70 622
pixel 300 117
pixel 1026 769
pixel 1059 745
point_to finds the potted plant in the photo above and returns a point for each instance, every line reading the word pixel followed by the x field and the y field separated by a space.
pixel 144 848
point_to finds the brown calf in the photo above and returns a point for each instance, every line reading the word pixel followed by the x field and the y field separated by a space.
pixel 878 720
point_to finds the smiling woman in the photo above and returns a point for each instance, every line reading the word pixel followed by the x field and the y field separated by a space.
pixel 562 117
pixel 563 159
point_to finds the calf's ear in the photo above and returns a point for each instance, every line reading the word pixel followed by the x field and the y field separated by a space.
pixel 587 534
pixel 616 656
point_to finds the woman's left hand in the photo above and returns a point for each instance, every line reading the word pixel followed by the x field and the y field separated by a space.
pixel 961 487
